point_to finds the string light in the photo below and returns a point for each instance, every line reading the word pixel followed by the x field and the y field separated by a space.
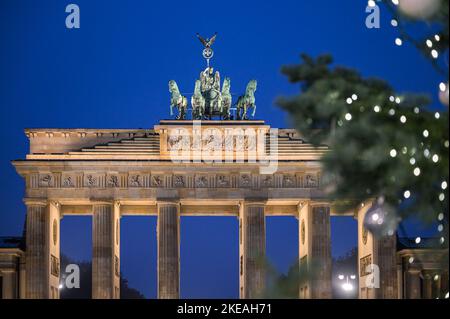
pixel 441 197
pixel 392 98
pixel 403 119
pixel 354 97
pixel 435 158
pixel 349 101
pixel 416 110
pixel 398 41
pixel 376 108
pixel 429 43
pixel 434 54
pixel 444 185
pixel 437 115
pixel 395 2
pixel 398 100
pixel 437 37
pixel 442 87
pixel 441 217
pixel 371 3
pixel 412 161
pixel 440 228
pixel 426 133
pixel 348 116
pixel 393 153
pixel 407 194
pixel 391 112
pixel 418 240
pixel 417 171
pixel 394 23
pixel 411 260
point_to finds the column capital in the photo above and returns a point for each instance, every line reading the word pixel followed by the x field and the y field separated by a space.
pixel 414 271
pixel 35 201
pixel 254 201
pixel 99 202
pixel 428 273
pixel 168 202
pixel 319 204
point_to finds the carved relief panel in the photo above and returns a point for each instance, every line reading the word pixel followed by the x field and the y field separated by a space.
pixel 46 180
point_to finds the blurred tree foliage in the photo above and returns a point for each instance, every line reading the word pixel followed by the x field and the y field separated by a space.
pixel 377 138
pixel 435 23
pixel 383 144
pixel 85 290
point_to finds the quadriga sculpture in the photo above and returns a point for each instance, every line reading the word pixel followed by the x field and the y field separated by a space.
pixel 177 100
pixel 226 99
pixel 198 102
pixel 247 101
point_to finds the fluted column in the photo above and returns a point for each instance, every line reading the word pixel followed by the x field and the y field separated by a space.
pixel 436 286
pixel 315 250
pixel 444 283
pixel 413 284
pixel 43 250
pixel 168 234
pixel 106 251
pixel 252 249
pixel 377 261
pixel 427 286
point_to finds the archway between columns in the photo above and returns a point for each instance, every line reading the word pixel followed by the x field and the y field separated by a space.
pixel 209 257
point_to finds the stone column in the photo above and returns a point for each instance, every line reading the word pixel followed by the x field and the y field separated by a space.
pixel 377 262
pixel 252 249
pixel 412 284
pixel 106 251
pixel 315 250
pixel 436 286
pixel 43 250
pixel 168 234
pixel 444 283
pixel 427 286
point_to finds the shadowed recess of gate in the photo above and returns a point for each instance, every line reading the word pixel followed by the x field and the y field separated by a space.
pixel 209 257
pixel 76 248
pixel 139 254
pixel 281 242
pixel 344 235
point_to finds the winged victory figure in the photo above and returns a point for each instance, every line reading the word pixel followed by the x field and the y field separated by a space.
pixel 207 42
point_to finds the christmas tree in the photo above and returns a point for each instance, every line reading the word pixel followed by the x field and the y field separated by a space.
pixel 384 146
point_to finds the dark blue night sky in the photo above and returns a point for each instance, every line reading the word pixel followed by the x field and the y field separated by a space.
pixel 113 73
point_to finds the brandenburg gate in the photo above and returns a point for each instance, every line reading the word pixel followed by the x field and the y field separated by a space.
pixel 230 166
pixel 161 172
